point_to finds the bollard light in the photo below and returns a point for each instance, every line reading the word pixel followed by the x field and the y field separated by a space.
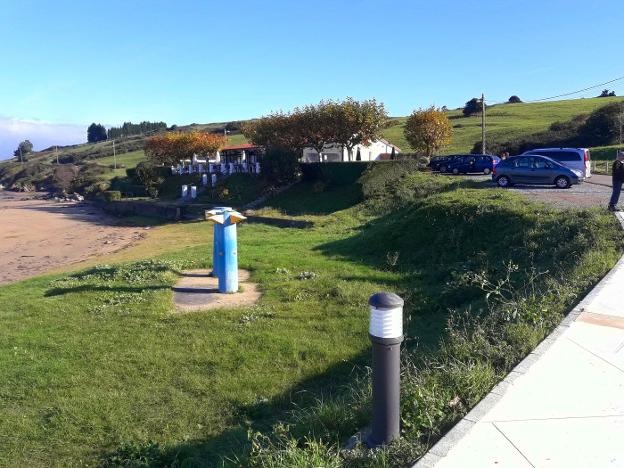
pixel 184 191
pixel 386 335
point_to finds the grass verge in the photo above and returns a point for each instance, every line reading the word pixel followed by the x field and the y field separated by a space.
pixel 98 369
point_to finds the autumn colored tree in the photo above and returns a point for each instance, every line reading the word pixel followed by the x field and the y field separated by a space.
pixel 278 130
pixel 428 130
pixel 315 123
pixel 356 122
pixel 169 148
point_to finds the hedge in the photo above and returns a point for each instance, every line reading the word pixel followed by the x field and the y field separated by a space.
pixel 334 173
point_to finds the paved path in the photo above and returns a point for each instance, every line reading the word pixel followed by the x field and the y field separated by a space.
pixel 563 406
pixel 599 179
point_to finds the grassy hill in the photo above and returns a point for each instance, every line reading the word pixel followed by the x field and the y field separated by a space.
pixel 103 372
pixel 504 121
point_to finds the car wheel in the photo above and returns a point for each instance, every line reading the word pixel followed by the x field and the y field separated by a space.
pixel 486 171
pixel 442 168
pixel 562 182
pixel 503 181
pixel 455 171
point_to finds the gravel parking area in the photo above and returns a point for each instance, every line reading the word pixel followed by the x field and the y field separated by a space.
pixel 584 195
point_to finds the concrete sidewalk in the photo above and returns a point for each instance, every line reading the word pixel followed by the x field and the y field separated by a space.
pixel 563 406
pixel 599 179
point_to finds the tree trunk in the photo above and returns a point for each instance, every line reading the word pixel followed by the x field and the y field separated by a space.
pixel 349 152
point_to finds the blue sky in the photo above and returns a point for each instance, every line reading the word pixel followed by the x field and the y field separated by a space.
pixel 68 63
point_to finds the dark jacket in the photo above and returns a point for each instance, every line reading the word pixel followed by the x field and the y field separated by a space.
pixel 617 171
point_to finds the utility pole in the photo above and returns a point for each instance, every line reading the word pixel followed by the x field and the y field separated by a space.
pixel 114 155
pixel 482 123
pixel 621 121
pixel 56 152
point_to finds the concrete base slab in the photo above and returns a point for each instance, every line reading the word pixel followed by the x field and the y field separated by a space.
pixel 197 290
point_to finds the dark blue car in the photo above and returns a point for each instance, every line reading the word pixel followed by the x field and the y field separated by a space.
pixel 472 163
pixel 534 169
pixel 441 163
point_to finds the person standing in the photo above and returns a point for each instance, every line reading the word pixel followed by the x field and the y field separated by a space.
pixel 617 175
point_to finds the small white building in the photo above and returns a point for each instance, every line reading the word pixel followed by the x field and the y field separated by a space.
pixel 377 150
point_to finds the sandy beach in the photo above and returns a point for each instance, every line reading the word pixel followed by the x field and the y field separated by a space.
pixel 38 235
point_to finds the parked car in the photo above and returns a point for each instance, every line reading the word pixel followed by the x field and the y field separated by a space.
pixel 440 163
pixel 533 169
pixel 574 158
pixel 484 163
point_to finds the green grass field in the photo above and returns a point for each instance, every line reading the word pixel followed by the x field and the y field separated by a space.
pixel 98 369
pixel 127 160
pixel 504 121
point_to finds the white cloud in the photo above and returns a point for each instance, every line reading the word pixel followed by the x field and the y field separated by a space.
pixel 42 134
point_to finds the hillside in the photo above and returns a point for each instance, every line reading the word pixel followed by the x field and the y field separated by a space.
pixel 504 121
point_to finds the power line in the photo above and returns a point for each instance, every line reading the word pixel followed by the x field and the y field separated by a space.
pixel 502 101
pixel 580 90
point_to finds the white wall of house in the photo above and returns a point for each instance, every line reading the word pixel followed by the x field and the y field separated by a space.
pixel 336 153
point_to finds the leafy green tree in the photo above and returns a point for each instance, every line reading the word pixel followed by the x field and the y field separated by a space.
pixel 514 99
pixel 23 149
pixel 96 132
pixel 472 107
pixel 357 122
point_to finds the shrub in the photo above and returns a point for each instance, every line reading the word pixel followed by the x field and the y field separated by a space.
pixel 602 126
pixel 514 99
pixel 112 195
pixel 334 173
pixel 150 177
pixel 280 166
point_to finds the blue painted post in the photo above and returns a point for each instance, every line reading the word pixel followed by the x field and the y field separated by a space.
pixel 225 251
pixel 228 279
pixel 217 242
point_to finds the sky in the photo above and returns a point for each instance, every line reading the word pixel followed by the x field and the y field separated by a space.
pixel 65 64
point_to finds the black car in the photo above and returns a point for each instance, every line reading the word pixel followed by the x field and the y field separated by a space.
pixel 441 163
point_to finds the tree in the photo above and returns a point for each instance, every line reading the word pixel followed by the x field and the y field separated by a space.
pixel 170 148
pixel 393 154
pixel 356 122
pixel 23 149
pixel 602 127
pixel 96 132
pixel 278 130
pixel 315 124
pixel 358 156
pixel 514 99
pixel 607 93
pixel 428 130
pixel 472 107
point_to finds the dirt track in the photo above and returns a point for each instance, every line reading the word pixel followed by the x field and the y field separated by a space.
pixel 37 235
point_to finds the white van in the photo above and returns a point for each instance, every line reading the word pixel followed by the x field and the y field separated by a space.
pixel 574 158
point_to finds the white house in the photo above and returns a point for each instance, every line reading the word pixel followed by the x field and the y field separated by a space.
pixel 377 150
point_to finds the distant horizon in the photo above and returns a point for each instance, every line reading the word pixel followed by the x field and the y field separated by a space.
pixel 47 135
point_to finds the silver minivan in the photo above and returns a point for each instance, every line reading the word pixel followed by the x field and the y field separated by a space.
pixel 575 158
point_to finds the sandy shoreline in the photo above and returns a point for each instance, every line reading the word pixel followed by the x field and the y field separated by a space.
pixel 37 236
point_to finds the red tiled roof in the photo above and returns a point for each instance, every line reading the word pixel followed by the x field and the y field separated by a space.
pixel 244 146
